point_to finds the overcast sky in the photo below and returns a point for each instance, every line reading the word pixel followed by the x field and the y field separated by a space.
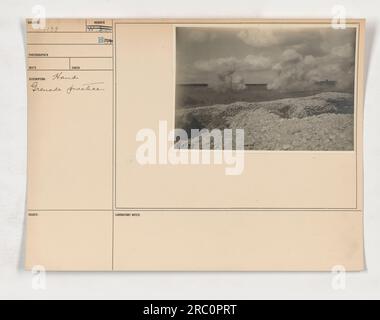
pixel 284 57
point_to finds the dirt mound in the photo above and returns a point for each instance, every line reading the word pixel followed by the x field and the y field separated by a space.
pixel 321 122
pixel 328 102
pixel 266 131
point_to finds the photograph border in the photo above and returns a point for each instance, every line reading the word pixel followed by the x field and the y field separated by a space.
pixel 358 102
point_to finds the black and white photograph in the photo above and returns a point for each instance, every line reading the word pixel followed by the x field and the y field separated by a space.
pixel 290 87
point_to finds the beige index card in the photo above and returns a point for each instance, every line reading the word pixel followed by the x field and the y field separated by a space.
pixel 264 171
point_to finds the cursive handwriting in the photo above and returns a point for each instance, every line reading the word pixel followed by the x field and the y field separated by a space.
pixel 89 87
pixel 61 76
pixel 35 87
pixel 86 87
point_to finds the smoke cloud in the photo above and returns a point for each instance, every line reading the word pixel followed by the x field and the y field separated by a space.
pixel 227 72
pixel 286 58
pixel 296 72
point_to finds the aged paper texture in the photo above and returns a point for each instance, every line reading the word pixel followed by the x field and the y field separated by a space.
pixel 112 186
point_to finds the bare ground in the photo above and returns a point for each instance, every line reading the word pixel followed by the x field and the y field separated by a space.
pixel 320 122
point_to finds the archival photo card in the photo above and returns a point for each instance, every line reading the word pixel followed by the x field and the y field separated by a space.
pixel 289 87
